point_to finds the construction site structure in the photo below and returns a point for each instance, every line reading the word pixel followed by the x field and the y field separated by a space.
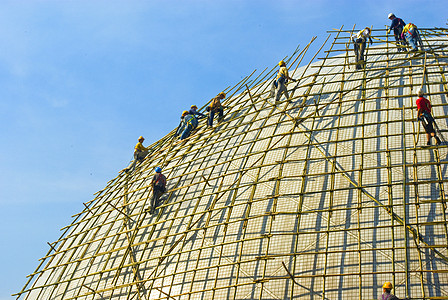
pixel 325 195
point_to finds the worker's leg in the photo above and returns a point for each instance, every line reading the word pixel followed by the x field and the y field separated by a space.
pixel 138 157
pixel 281 89
pixel 411 41
pixel 356 49
pixel 186 132
pixel 220 114
pixel 156 192
pixel 399 42
pixel 210 118
pixel 418 39
pixel 273 88
pixel 362 48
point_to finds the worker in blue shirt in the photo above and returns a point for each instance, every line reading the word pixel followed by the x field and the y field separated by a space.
pixel 193 111
pixel 188 124
pixel 397 26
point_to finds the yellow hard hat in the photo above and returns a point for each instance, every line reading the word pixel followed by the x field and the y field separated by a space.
pixel 194 106
pixel 141 138
pixel 184 113
pixel 387 285
pixel 222 94
pixel 281 63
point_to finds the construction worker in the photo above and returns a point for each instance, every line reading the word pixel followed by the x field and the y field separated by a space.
pixel 359 41
pixel 397 26
pixel 140 152
pixel 193 111
pixel 387 287
pixel 188 124
pixel 412 36
pixel 278 86
pixel 424 115
pixel 216 107
pixel 158 184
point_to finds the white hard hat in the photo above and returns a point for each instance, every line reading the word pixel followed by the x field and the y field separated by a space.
pixel 420 92
pixel 390 15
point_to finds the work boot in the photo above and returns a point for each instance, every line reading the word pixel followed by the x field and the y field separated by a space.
pixel 438 142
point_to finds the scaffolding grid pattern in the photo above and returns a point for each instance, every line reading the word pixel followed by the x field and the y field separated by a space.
pixel 325 195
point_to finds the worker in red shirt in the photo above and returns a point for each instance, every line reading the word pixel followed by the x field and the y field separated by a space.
pixel 424 115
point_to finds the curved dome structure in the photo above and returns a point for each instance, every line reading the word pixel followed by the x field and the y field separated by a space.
pixel 325 195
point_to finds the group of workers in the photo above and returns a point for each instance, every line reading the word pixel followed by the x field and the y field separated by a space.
pixel 190 119
pixel 405 34
pixel 189 122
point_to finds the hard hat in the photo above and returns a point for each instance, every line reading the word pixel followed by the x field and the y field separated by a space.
pixel 390 15
pixel 184 113
pixel 281 63
pixel 420 92
pixel 158 170
pixel 222 94
pixel 194 106
pixel 387 285
pixel 141 138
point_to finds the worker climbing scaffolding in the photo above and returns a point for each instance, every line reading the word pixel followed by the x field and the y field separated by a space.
pixel 278 86
pixel 140 152
pixel 158 184
pixel 359 43
pixel 188 124
pixel 425 116
pixel 215 107
pixel 412 35
pixel 397 26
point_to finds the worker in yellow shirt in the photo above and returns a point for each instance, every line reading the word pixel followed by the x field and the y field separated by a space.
pixel 140 152
pixel 359 45
pixel 279 85
pixel 412 36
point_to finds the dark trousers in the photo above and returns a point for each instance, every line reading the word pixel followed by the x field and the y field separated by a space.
pixel 359 52
pixel 157 191
pixel 220 112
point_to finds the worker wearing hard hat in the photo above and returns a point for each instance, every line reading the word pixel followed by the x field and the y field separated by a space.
pixel 387 287
pixel 140 152
pixel 193 111
pixel 215 107
pixel 359 41
pixel 397 26
pixel 188 124
pixel 158 184
pixel 425 116
pixel 278 86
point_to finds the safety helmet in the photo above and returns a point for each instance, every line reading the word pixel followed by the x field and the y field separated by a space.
pixel 184 113
pixel 141 138
pixel 194 106
pixel 390 15
pixel 282 63
pixel 420 92
pixel 222 94
pixel 387 285
pixel 158 170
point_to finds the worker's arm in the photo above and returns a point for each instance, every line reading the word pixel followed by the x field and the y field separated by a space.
pixel 199 114
pixel 419 112
pixel 287 75
pixel 371 42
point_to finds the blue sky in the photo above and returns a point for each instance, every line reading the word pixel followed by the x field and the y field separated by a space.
pixel 81 80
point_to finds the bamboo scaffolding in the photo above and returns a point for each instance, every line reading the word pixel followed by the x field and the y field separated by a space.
pixel 279 201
